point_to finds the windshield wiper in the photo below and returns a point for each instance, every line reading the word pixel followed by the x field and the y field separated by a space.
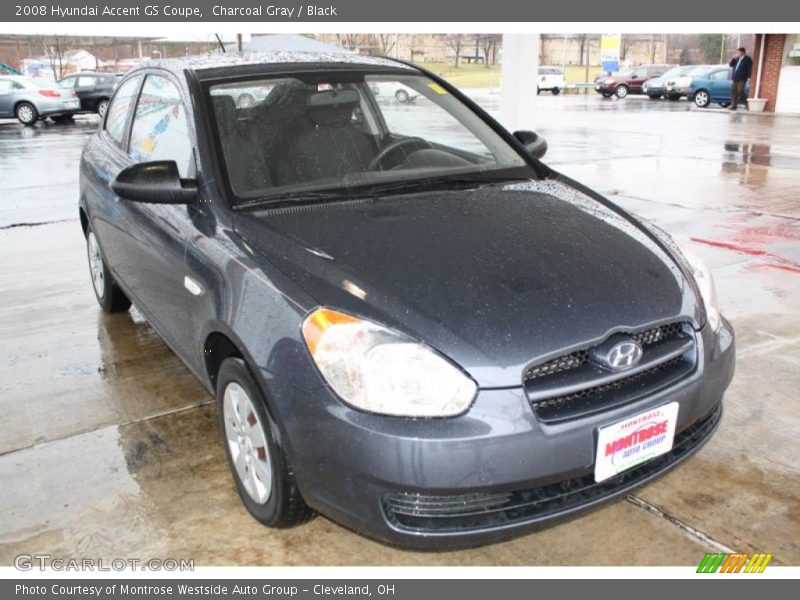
pixel 290 198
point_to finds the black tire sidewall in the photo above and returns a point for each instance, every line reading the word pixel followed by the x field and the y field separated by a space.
pixel 271 513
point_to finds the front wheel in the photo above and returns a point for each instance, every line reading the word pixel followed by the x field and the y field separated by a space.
pixel 701 98
pixel 622 91
pixel 102 107
pixel 556 91
pixel 264 479
pixel 109 296
pixel 26 113
pixel 401 96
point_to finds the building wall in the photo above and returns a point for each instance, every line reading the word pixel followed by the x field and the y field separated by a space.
pixel 774 44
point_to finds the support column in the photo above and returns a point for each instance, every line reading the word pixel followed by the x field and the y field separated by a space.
pixel 518 79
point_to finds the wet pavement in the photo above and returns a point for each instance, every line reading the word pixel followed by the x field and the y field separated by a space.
pixel 109 448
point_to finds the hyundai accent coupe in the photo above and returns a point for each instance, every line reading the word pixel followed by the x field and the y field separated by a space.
pixel 411 324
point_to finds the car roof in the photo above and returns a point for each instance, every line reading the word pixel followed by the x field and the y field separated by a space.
pixel 232 60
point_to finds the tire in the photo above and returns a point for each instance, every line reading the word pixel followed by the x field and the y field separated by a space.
pixel 62 118
pixel 622 91
pixel 538 91
pixel 102 107
pixel 724 104
pixel 607 95
pixel 109 296
pixel 702 99
pixel 555 91
pixel 26 113
pixel 654 96
pixel 264 478
pixel 401 96
pixel 673 97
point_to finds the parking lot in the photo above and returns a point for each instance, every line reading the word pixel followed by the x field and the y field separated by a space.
pixel 109 447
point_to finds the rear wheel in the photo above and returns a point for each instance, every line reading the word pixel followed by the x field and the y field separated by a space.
pixel 724 104
pixel 556 91
pixel 109 296
pixel 26 113
pixel 622 91
pixel 701 98
pixel 401 96
pixel 264 479
pixel 654 96
pixel 102 107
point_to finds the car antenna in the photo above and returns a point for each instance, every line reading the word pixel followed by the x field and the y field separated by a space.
pixel 219 41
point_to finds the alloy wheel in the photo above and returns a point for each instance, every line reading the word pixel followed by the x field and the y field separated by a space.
pixel 96 265
pixel 25 113
pixel 247 443
pixel 701 99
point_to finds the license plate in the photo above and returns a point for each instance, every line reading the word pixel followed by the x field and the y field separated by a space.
pixel 72 104
pixel 635 440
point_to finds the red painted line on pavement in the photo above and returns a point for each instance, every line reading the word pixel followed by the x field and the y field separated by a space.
pixel 775 261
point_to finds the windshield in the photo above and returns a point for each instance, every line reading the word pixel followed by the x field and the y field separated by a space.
pixel 315 132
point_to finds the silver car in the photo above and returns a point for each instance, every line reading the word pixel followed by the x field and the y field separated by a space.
pixel 32 99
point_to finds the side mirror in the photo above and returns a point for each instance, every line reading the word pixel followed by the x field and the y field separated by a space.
pixel 534 143
pixel 156 182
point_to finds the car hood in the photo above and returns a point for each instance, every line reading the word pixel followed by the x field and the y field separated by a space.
pixel 495 278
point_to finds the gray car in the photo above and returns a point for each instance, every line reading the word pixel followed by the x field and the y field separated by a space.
pixel 421 331
pixel 29 100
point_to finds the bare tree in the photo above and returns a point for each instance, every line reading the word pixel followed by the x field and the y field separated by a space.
pixel 489 42
pixel 350 41
pixel 55 49
pixel 455 41
pixel 625 42
pixel 384 43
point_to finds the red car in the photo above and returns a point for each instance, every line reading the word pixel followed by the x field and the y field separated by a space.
pixel 629 82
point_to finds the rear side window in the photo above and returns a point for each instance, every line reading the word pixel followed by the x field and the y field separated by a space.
pixel 86 81
pixel 121 106
pixel 159 129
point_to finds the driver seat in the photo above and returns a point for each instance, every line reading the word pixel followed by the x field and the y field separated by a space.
pixel 334 145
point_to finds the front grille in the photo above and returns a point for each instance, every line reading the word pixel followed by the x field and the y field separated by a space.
pixel 456 513
pixel 573 385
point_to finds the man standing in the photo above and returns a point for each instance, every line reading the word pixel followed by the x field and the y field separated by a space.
pixel 742 66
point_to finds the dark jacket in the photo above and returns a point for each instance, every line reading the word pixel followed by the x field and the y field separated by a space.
pixel 743 70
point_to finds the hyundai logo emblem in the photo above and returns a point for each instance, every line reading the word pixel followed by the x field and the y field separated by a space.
pixel 624 355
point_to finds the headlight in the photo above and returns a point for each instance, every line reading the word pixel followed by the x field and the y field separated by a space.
pixel 379 370
pixel 705 283
pixel 609 81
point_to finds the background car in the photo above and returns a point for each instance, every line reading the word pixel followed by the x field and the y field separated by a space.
pixel 656 86
pixel 677 87
pixel 715 86
pixel 93 90
pixel 551 79
pixel 29 100
pixel 629 82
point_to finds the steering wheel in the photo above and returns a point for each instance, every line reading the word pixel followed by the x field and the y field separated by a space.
pixel 420 144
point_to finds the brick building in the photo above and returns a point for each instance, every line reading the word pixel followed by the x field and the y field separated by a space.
pixel 776 71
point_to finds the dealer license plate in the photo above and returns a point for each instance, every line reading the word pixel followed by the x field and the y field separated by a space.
pixel 635 440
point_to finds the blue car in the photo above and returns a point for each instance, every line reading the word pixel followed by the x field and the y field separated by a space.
pixel 714 86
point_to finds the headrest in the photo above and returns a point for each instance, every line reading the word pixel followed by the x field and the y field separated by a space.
pixel 332 107
pixel 225 110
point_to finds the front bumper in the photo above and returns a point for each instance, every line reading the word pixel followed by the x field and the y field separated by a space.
pixel 494 472
pixel 605 88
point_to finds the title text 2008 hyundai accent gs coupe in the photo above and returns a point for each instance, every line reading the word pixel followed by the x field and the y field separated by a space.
pixel 410 323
